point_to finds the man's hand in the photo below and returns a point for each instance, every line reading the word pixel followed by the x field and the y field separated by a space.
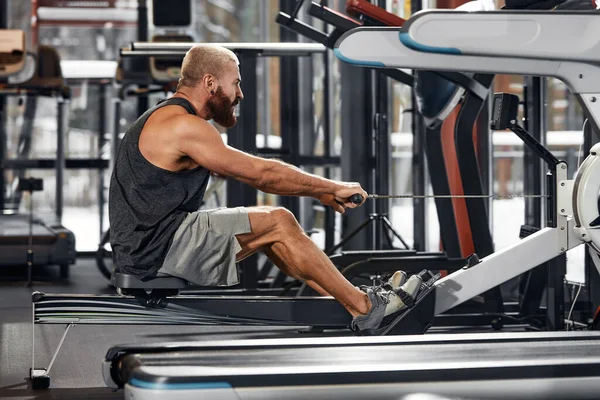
pixel 339 198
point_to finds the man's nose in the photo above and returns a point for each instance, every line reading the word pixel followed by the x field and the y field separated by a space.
pixel 240 94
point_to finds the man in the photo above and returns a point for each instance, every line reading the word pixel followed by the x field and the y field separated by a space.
pixel 160 176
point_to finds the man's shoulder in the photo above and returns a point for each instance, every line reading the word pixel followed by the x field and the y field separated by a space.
pixel 188 124
pixel 175 118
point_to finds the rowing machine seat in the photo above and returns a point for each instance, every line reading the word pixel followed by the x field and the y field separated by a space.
pixel 122 280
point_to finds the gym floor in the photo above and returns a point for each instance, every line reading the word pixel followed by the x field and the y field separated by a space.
pixel 77 371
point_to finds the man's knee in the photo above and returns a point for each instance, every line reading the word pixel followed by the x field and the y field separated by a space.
pixel 284 219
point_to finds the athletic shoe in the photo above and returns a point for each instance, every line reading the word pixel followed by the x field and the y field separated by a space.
pixel 386 305
pixel 412 286
pixel 397 280
pixel 406 294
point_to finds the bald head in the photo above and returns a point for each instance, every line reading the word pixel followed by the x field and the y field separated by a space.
pixel 205 59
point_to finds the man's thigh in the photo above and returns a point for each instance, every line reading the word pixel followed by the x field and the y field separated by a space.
pixel 264 223
pixel 205 247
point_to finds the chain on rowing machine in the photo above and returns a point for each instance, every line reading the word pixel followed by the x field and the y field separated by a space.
pixel 455 196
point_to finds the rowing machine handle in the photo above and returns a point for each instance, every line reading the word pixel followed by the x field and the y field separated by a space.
pixel 356 198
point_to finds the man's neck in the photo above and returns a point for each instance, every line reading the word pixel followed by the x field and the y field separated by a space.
pixel 197 104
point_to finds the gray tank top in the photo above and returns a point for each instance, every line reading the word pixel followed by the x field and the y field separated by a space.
pixel 147 204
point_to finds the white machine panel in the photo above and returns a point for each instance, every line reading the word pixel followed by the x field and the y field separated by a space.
pixel 357 47
pixel 543 35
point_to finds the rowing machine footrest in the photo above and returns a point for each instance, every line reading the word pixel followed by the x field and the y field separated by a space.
pixel 418 318
pixel 123 280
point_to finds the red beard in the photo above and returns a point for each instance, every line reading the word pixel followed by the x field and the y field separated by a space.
pixel 222 109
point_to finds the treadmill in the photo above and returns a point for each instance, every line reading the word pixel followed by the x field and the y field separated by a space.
pixel 548 365
pixel 52 243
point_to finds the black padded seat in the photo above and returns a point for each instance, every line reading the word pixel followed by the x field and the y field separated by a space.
pixel 122 280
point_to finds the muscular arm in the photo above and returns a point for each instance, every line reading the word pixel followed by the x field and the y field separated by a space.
pixel 202 142
pixel 278 177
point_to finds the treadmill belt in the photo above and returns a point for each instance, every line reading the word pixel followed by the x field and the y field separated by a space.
pixel 298 364
pixel 385 363
pixel 16 227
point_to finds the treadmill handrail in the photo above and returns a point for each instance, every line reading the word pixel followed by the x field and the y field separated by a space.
pixel 356 47
pixel 557 35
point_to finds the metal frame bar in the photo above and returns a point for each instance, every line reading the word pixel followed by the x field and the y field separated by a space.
pixel 419 168
pixel 422 155
pixel 291 88
pixel 102 140
pixel 262 49
pixel 48 163
pixel 328 139
pixel 382 156
pixel 60 343
pixel 533 284
pixel 356 156
pixel 592 277
pixel 243 136
pixel 3 142
pixel 61 131
pixel 535 124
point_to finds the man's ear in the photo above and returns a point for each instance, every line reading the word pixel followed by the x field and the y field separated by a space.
pixel 209 83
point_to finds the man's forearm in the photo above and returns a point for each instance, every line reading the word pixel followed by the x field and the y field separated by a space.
pixel 285 179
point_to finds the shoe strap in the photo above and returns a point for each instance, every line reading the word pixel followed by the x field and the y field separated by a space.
pixel 406 298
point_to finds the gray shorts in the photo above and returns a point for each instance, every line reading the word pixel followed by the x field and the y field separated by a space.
pixel 204 247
